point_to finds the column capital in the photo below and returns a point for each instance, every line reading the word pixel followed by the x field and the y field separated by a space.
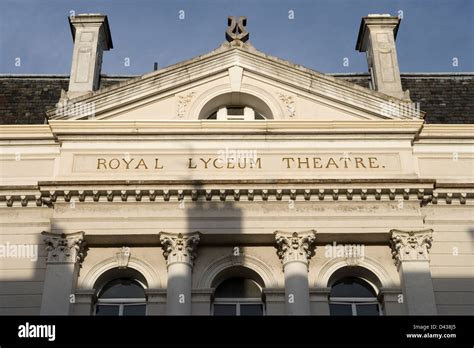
pixel 295 246
pixel 64 248
pixel 411 245
pixel 179 247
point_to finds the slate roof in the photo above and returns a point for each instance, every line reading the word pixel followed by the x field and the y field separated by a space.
pixel 445 97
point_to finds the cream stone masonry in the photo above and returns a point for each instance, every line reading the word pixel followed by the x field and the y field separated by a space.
pixel 237 144
pixel 295 250
pixel 180 251
pixel 318 96
pixel 65 254
pixel 410 251
pixel 91 35
pixel 377 36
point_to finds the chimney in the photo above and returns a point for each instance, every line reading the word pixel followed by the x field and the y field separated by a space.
pixel 377 36
pixel 91 36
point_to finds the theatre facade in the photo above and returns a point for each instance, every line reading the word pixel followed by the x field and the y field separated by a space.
pixel 237 183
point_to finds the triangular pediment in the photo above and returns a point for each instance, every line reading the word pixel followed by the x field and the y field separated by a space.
pixel 237 74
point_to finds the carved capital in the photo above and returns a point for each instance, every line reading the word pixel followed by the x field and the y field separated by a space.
pixel 295 246
pixel 64 247
pixel 411 245
pixel 179 247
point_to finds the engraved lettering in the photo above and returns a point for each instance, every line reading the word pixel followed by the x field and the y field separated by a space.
pixel 205 162
pixel 305 162
pixel 157 166
pixel 141 163
pixel 359 160
pixel 331 162
pixel 101 162
pixel 287 159
pixel 191 164
pixel 127 163
pixel 116 163
pixel 373 162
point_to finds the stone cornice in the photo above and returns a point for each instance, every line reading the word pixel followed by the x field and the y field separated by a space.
pixel 116 130
pixel 427 133
pixel 446 133
pixel 26 132
pixel 47 193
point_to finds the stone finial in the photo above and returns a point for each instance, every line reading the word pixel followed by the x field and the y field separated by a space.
pixel 236 30
pixel 179 247
pixel 377 36
pixel 91 35
pixel 63 248
pixel 295 246
pixel 410 245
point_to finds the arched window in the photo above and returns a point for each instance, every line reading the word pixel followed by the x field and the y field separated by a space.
pixel 236 113
pixel 235 106
pixel 353 296
pixel 238 296
pixel 121 292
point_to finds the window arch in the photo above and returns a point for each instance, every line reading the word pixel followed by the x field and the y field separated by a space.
pixel 238 291
pixel 238 296
pixel 235 106
pixel 121 292
pixel 354 296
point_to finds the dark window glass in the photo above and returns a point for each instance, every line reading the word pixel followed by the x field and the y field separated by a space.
pixel 107 310
pixel 367 309
pixel 213 116
pixel 134 309
pixel 122 288
pixel 251 309
pixel 340 309
pixel 225 309
pixel 238 288
pixel 235 110
pixel 352 287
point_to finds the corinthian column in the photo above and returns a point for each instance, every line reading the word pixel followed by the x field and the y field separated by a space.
pixel 295 249
pixel 180 252
pixel 410 251
pixel 65 254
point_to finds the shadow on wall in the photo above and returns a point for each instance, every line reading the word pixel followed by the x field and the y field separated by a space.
pixel 216 220
pixel 28 281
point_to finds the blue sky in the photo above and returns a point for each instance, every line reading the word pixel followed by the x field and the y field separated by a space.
pixel 321 35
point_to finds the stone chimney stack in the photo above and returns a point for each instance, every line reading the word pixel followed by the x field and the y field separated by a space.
pixel 91 35
pixel 377 36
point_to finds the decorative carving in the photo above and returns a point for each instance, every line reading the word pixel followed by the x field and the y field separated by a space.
pixel 411 245
pixel 64 247
pixel 236 30
pixel 183 101
pixel 289 104
pixel 352 260
pixel 295 246
pixel 180 247
pixel 123 257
